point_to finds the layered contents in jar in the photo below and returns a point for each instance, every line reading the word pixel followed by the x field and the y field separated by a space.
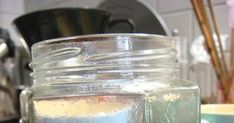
pixel 90 109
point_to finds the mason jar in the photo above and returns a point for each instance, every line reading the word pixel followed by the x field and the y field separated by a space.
pixel 108 78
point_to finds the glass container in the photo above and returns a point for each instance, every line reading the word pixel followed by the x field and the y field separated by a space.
pixel 108 78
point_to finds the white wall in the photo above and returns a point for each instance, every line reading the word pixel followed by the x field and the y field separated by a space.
pixel 9 10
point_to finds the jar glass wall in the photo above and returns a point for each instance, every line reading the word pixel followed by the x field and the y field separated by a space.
pixel 117 78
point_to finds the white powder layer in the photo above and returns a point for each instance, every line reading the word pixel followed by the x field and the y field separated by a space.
pixel 78 107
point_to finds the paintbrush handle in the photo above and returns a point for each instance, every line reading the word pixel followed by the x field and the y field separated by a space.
pixel 214 21
pixel 202 18
pixel 232 53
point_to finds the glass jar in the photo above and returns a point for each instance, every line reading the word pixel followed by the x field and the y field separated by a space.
pixel 109 78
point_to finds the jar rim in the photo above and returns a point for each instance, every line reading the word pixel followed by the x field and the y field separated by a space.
pixel 105 36
pixel 107 56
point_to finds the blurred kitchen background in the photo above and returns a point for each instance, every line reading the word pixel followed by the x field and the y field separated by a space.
pixel 177 15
